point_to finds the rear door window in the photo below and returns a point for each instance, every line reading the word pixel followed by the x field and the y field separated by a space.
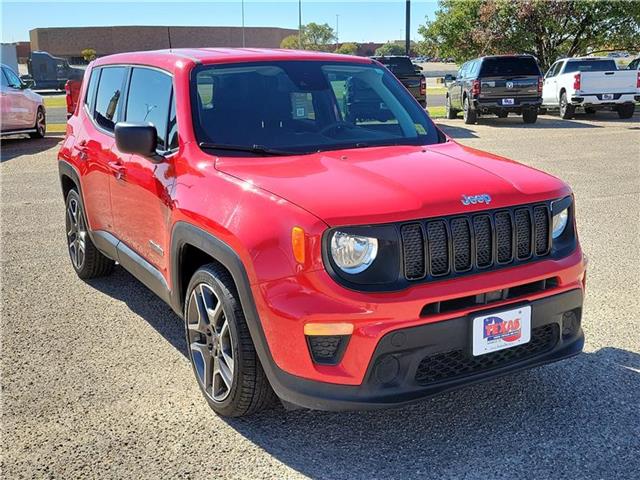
pixel 149 100
pixel 109 97
pixel 505 66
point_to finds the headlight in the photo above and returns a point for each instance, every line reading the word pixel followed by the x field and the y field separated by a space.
pixel 560 223
pixel 353 253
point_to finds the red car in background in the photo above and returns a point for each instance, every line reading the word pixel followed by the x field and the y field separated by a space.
pixel 318 234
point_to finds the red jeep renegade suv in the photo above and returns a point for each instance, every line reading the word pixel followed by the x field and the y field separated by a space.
pixel 318 234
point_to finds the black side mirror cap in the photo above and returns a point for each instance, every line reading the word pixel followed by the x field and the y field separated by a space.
pixel 138 138
pixel 449 78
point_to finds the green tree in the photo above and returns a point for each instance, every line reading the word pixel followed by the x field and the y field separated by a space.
pixel 391 48
pixel 89 54
pixel 547 29
pixel 347 49
pixel 314 37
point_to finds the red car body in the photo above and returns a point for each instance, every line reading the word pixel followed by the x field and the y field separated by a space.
pixel 250 205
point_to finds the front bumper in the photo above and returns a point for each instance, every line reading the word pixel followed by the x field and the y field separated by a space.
pixel 396 373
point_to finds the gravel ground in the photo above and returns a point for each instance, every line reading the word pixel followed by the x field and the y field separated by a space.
pixel 95 382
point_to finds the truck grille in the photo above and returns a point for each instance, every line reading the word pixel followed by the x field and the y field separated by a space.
pixel 449 246
pixel 458 363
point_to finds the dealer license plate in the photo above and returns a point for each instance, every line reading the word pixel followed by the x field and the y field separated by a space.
pixel 501 330
pixel 508 101
pixel 607 96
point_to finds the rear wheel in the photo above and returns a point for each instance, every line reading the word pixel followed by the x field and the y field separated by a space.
pixel 87 260
pixel 41 124
pixel 529 116
pixel 450 113
pixel 626 110
pixel 470 116
pixel 566 109
pixel 221 351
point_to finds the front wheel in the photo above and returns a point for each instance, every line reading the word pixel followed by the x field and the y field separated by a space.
pixel 450 113
pixel 221 351
pixel 41 124
pixel 626 110
pixel 470 116
pixel 529 116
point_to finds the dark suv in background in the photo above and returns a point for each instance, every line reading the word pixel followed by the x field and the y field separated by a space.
pixel 409 74
pixel 498 85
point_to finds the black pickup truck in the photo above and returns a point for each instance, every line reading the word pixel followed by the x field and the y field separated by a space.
pixel 496 85
pixel 409 74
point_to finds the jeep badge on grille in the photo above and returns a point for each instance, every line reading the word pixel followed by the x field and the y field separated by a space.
pixel 473 199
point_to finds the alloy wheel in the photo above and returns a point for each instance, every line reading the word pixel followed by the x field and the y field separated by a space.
pixel 76 233
pixel 41 123
pixel 210 342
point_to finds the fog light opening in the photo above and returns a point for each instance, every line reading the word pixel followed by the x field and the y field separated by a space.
pixel 570 322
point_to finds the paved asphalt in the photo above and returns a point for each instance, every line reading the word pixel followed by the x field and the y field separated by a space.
pixel 95 382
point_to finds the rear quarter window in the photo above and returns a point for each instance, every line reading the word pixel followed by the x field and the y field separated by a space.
pixel 503 66
pixel 91 89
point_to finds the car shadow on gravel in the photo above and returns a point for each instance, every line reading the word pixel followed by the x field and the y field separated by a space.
pixel 573 419
pixel 21 145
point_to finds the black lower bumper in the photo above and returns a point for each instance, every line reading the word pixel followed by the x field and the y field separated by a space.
pixel 418 362
pixel 496 106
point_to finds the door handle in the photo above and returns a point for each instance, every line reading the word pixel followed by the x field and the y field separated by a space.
pixel 118 169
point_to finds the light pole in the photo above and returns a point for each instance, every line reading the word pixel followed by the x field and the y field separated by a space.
pixel 300 24
pixel 243 43
pixel 407 45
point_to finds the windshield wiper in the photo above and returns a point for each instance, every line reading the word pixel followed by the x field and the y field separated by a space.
pixel 258 149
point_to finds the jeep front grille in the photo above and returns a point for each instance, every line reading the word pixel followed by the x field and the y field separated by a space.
pixel 450 246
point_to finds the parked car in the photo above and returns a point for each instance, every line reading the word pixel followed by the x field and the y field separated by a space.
pixel 339 263
pixel 72 92
pixel 49 72
pixel 594 83
pixel 408 73
pixel 22 110
pixel 497 85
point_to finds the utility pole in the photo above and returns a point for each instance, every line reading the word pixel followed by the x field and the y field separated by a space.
pixel 300 24
pixel 243 43
pixel 407 45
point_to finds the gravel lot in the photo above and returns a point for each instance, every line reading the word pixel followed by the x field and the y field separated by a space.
pixel 95 382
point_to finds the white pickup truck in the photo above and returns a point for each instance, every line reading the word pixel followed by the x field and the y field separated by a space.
pixel 594 83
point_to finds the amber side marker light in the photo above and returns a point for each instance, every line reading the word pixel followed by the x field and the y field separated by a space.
pixel 312 329
pixel 298 244
pixel 327 342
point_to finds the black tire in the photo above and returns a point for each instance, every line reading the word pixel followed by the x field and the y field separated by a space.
pixel 502 114
pixel 249 390
pixel 590 110
pixel 566 109
pixel 529 116
pixel 423 103
pixel 41 124
pixel 450 113
pixel 86 259
pixel 470 116
pixel 626 110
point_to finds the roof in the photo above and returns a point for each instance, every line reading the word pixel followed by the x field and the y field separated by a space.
pixel 168 58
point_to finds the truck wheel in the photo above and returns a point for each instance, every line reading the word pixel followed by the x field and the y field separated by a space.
pixel 529 116
pixel 470 116
pixel 626 110
pixel 423 103
pixel 87 260
pixel 450 113
pixel 40 126
pixel 221 351
pixel 566 109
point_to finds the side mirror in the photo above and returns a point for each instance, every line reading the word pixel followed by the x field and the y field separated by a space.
pixel 449 78
pixel 138 138
pixel 417 68
pixel 28 83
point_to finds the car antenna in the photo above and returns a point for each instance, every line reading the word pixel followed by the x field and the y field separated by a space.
pixel 169 35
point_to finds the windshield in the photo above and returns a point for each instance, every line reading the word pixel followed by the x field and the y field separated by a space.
pixel 590 66
pixel 498 66
pixel 304 107
pixel 398 65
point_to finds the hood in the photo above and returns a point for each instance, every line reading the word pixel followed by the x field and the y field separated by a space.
pixel 390 184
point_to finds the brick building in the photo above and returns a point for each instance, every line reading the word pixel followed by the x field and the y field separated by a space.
pixel 68 42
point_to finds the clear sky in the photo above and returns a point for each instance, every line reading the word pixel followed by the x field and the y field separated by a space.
pixel 358 21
